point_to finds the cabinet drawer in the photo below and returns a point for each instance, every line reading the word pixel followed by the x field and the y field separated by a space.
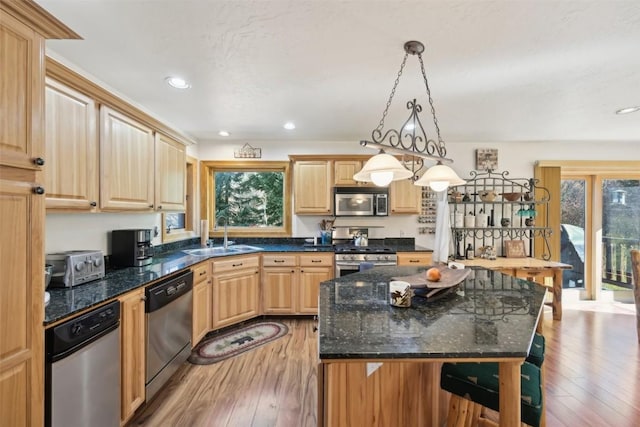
pixel 276 260
pixel 415 258
pixel 316 260
pixel 236 263
pixel 200 272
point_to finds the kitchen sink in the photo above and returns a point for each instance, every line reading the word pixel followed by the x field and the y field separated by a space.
pixel 220 250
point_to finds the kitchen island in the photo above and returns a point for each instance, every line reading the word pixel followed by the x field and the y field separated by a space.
pixel 380 365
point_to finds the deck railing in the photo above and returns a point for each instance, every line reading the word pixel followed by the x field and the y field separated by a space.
pixel 617 260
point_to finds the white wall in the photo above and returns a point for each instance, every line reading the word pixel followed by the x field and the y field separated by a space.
pixel 89 231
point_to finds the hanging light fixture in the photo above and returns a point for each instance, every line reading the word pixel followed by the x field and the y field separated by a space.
pixel 410 141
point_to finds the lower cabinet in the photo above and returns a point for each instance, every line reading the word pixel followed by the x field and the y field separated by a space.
pixel 415 258
pixel 291 282
pixel 133 358
pixel 236 287
pixel 202 300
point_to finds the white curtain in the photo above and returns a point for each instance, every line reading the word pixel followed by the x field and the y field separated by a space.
pixel 443 229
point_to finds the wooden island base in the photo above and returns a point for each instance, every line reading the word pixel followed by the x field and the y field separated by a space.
pixel 381 394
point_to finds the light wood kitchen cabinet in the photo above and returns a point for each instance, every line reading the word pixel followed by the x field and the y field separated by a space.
pixel 415 258
pixel 171 174
pixel 21 97
pixel 314 268
pixel 24 26
pixel 404 197
pixel 126 163
pixel 312 180
pixel 202 315
pixel 133 356
pixel 236 291
pixel 343 171
pixel 279 283
pixel 71 174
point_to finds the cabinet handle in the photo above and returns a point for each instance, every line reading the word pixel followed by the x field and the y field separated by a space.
pixel 236 265
pixel 143 298
pixel 293 271
pixel 414 260
pixel 38 190
pixel 203 273
pixel 278 260
pixel 316 260
pixel 39 161
pixel 94 204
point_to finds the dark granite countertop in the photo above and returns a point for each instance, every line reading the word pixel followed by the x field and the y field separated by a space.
pixel 64 302
pixel 488 315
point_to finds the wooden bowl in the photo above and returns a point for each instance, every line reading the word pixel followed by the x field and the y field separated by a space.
pixel 511 197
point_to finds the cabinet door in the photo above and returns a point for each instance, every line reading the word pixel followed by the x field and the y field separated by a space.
pixel 309 289
pixel 343 171
pixel 71 174
pixel 312 187
pixel 21 80
pixel 279 290
pixel 415 258
pixel 133 358
pixel 21 304
pixel 171 171
pixel 404 197
pixel 201 318
pixel 235 297
pixel 126 163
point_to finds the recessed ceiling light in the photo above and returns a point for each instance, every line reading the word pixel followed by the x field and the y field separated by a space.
pixel 223 133
pixel 177 82
pixel 628 110
pixel 289 126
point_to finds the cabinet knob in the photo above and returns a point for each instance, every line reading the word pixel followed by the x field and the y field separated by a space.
pixel 38 161
pixel 38 190
pixel 151 206
pixel 143 298
pixel 94 204
pixel 159 207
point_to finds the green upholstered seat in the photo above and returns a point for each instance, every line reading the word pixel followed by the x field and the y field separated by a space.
pixel 479 383
pixel 536 353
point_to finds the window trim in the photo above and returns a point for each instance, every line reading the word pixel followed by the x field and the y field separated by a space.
pixel 207 201
pixel 190 211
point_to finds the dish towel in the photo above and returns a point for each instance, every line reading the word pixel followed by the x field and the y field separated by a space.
pixel 443 232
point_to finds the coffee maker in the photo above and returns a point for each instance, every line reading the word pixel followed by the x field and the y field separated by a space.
pixel 131 248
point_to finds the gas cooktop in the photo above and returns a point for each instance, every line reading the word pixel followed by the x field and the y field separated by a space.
pixel 353 249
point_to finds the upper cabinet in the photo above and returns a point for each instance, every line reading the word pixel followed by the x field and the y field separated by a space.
pixel 343 171
pixel 21 137
pixel 404 197
pixel 312 187
pixel 170 173
pixel 71 174
pixel 126 162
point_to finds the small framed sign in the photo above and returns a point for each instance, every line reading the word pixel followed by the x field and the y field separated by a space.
pixel 514 249
pixel 486 159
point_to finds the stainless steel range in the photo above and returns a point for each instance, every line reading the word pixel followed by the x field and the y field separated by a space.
pixel 349 257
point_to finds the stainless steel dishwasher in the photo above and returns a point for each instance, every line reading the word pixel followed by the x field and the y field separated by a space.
pixel 168 308
pixel 82 370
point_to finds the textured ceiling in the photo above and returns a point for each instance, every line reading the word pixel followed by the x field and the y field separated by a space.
pixel 498 70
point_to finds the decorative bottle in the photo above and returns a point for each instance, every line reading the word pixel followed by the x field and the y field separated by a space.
pixel 469 252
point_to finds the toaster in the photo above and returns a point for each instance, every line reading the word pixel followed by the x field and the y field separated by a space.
pixel 73 268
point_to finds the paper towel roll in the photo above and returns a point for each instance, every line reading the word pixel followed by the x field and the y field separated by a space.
pixel 204 232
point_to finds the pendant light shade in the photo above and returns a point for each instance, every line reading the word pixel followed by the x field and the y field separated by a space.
pixel 439 177
pixel 381 169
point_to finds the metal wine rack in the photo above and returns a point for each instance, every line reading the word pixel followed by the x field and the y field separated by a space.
pixel 525 220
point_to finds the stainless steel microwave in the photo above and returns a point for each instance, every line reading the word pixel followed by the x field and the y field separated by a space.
pixel 357 201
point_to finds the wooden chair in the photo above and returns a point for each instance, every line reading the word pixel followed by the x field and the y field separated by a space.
pixel 635 268
pixel 474 390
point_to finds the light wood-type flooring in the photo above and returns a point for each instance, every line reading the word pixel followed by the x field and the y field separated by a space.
pixel 592 377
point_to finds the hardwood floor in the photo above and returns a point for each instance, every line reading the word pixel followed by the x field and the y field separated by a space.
pixel 592 377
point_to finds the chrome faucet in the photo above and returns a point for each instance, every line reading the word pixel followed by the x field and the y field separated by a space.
pixel 225 242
